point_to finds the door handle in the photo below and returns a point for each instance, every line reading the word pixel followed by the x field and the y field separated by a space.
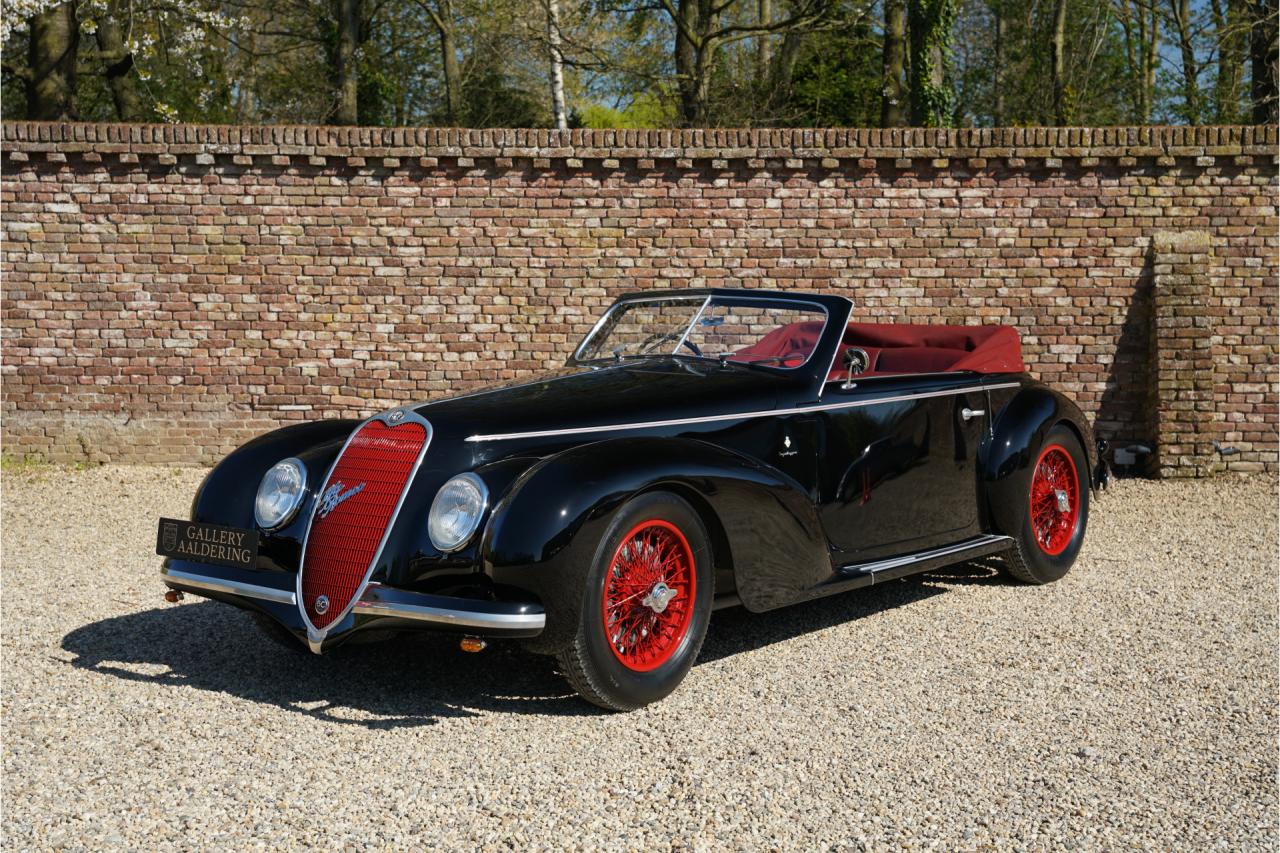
pixel 969 414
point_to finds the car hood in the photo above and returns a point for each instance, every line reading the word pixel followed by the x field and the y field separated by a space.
pixel 633 391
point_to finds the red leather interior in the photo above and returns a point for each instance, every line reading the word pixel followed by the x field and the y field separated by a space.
pixel 896 348
pixel 794 339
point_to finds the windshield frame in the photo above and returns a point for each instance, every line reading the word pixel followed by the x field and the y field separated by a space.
pixel 719 297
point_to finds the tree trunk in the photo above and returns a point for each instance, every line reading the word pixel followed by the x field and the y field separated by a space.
pixel 1133 24
pixel 1141 25
pixel 346 108
pixel 779 77
pixel 1150 59
pixel 452 77
pixel 1230 43
pixel 1263 56
pixel 764 46
pixel 997 105
pixel 243 55
pixel 1058 46
pixel 690 65
pixel 442 16
pixel 558 113
pixel 51 64
pixel 1230 30
pixel 893 104
pixel 1190 70
pixel 931 23
pixel 119 68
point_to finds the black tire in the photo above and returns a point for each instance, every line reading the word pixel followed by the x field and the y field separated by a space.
pixel 590 663
pixel 1030 560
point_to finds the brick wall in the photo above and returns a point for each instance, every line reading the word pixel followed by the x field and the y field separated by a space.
pixel 170 291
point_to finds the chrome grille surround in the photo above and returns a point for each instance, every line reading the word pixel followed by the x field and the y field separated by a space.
pixel 392 418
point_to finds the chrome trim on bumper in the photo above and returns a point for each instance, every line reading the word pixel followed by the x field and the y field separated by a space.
pixel 379 600
pixel 212 584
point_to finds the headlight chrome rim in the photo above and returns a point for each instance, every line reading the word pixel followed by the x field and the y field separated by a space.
pixel 296 499
pixel 447 546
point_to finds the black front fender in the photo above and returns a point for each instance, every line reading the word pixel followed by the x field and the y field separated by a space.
pixel 544 532
pixel 227 494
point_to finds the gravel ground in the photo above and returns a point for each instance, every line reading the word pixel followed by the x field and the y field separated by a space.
pixel 1133 704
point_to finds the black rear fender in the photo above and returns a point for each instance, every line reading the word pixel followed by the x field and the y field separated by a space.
pixel 1005 463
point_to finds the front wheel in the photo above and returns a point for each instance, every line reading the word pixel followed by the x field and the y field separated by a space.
pixel 1057 510
pixel 646 606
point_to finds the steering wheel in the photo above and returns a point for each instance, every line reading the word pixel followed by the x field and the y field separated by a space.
pixel 651 343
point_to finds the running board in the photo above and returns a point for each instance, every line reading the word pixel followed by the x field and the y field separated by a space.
pixel 897 567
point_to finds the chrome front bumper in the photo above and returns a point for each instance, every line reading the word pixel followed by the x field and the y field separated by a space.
pixel 511 619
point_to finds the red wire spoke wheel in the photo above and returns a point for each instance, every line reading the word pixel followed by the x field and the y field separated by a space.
pixel 1055 499
pixel 649 593
pixel 640 621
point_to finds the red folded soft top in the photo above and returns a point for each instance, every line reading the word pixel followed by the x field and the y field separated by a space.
pixel 903 347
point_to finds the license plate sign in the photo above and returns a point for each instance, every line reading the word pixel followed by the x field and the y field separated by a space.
pixel 207 543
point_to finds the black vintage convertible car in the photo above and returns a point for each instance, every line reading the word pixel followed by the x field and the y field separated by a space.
pixel 700 449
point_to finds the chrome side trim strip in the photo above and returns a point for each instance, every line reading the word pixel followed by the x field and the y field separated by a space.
pixel 248 590
pixel 374 604
pixel 737 416
pixel 949 550
pixel 392 417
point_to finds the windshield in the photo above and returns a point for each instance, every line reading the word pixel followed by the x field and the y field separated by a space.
pixel 775 333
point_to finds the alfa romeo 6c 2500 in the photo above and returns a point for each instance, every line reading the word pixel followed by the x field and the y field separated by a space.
pixel 700 449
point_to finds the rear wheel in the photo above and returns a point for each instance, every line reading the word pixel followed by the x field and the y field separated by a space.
pixel 1057 510
pixel 646 607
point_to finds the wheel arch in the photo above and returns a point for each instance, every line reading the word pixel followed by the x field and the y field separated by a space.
pixel 1084 445
pixel 1018 431
pixel 721 548
pixel 544 530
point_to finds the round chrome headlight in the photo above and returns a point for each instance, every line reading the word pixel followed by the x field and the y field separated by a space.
pixel 280 493
pixel 456 512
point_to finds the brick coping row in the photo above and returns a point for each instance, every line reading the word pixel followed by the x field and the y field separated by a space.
pixel 1017 145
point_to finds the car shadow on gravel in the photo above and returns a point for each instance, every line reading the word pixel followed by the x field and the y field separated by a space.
pixel 418 679
pixel 414 679
pixel 735 631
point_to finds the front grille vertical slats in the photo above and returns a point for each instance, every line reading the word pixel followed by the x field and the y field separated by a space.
pixel 342 544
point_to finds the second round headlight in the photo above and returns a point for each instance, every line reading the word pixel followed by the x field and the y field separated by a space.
pixel 280 493
pixel 456 511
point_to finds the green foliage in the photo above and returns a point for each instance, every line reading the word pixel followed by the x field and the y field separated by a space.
pixel 932 23
pixel 257 61
pixel 650 109
pixel 836 82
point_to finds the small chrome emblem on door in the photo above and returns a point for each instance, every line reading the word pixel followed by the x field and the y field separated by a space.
pixel 334 495
pixel 786 442
pixel 322 605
